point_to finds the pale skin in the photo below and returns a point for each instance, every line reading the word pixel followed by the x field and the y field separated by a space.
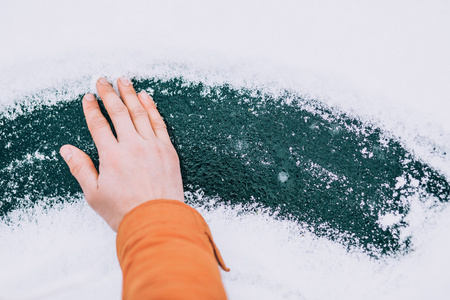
pixel 139 165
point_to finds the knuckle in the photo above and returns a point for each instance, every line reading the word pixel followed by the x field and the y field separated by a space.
pixel 98 122
pixel 138 112
pixel 91 109
pixel 149 105
pixel 76 169
pixel 168 151
pixel 118 110
pixel 173 157
pixel 159 124
pixel 140 150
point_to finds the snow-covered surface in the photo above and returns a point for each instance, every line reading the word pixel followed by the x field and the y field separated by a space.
pixel 386 62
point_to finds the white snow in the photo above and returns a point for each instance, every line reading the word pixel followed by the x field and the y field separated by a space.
pixel 384 61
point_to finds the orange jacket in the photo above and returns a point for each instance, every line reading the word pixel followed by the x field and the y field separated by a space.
pixel 166 251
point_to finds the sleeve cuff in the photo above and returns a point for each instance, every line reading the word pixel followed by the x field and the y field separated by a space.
pixel 163 214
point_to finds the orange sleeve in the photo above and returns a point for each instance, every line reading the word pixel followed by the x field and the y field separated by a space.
pixel 166 251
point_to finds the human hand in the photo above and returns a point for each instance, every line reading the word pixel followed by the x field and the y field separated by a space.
pixel 140 165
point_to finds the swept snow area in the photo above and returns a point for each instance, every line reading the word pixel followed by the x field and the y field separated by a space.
pixel 386 62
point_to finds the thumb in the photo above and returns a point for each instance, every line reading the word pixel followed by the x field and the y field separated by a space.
pixel 81 167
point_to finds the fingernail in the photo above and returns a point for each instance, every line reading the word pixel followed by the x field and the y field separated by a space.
pixel 103 81
pixel 144 95
pixel 66 153
pixel 89 97
pixel 125 81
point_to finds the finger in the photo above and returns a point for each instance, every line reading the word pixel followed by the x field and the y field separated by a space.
pixel 138 113
pixel 116 109
pixel 81 167
pixel 97 124
pixel 158 125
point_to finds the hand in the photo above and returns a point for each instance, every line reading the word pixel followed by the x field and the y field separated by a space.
pixel 140 165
